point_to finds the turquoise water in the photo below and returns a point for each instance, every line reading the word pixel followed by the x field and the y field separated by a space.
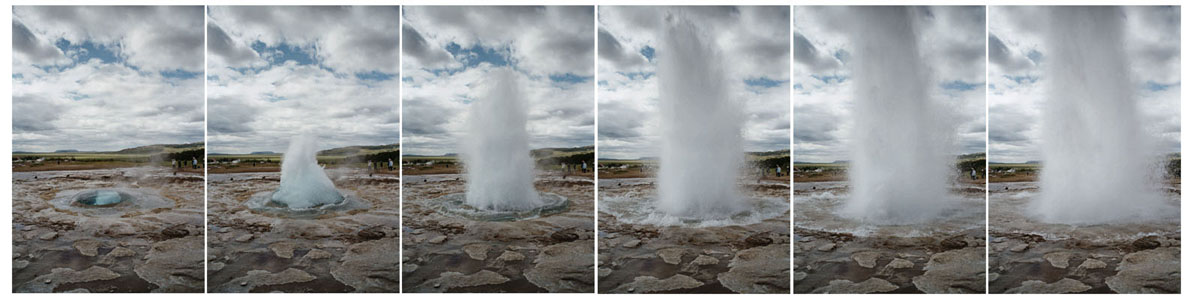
pixel 101 198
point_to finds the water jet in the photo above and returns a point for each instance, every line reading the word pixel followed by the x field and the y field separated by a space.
pixel 1096 155
pixel 900 166
pixel 702 151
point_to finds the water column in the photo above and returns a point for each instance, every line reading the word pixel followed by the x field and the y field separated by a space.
pixel 496 148
pixel 899 165
pixel 1096 159
pixel 702 153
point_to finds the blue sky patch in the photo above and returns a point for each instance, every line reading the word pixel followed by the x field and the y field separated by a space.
pixel 281 53
pixel 1023 79
pixel 960 85
pixel 637 75
pixel 830 79
pixel 180 74
pixel 568 78
pixel 374 76
pixel 1154 86
pixel 86 51
pixel 648 52
pixel 476 55
pixel 763 82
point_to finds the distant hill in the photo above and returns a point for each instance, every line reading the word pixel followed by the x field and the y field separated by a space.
pixel 150 149
pixel 972 156
pixel 358 150
pixel 255 153
pixel 66 151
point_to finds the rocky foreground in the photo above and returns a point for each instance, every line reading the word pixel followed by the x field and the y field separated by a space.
pixel 341 251
pixel 837 255
pixel 61 250
pixel 645 258
pixel 448 253
pixel 841 263
pixel 1030 257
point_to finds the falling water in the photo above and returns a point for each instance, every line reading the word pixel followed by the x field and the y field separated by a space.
pixel 1096 163
pixel 899 167
pixel 496 151
pixel 702 151
pixel 304 184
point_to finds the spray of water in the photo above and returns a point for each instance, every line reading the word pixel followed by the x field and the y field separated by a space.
pixel 1096 167
pixel 702 151
pixel 304 183
pixel 900 162
pixel 496 151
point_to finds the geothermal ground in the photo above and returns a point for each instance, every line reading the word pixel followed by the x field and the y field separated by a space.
pixel 1032 257
pixel 347 250
pixel 123 248
pixel 450 253
pixel 748 253
pixel 833 254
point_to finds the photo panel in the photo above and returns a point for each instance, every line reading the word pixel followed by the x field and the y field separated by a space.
pixel 108 149
pixel 303 132
pixel 498 180
pixel 889 149
pixel 693 149
pixel 1085 141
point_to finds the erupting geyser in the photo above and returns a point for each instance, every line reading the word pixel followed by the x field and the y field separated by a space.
pixel 495 150
pixel 702 151
pixel 899 165
pixel 304 184
pixel 1096 159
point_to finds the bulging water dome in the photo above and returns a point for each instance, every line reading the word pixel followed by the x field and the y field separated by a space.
pixel 101 198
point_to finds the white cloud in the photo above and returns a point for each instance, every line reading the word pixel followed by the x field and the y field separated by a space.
pixel 542 40
pixel 75 99
pixel 152 38
pixel 347 95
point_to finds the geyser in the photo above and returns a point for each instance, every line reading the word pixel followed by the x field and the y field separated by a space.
pixel 304 184
pixel 899 165
pixel 701 127
pixel 495 149
pixel 101 198
pixel 1096 162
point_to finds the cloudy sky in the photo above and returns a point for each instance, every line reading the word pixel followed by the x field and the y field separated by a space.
pixel 106 78
pixel 1018 89
pixel 952 46
pixel 275 72
pixel 448 52
pixel 753 42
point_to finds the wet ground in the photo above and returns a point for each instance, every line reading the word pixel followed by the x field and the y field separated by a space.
pixel 833 254
pixel 153 243
pixel 645 253
pixel 1027 256
pixel 354 249
pixel 452 253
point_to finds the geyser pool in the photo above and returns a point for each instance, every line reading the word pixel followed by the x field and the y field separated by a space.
pixel 899 166
pixel 702 150
pixel 304 184
pixel 109 201
pixel 101 198
pixel 496 153
pixel 1096 157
